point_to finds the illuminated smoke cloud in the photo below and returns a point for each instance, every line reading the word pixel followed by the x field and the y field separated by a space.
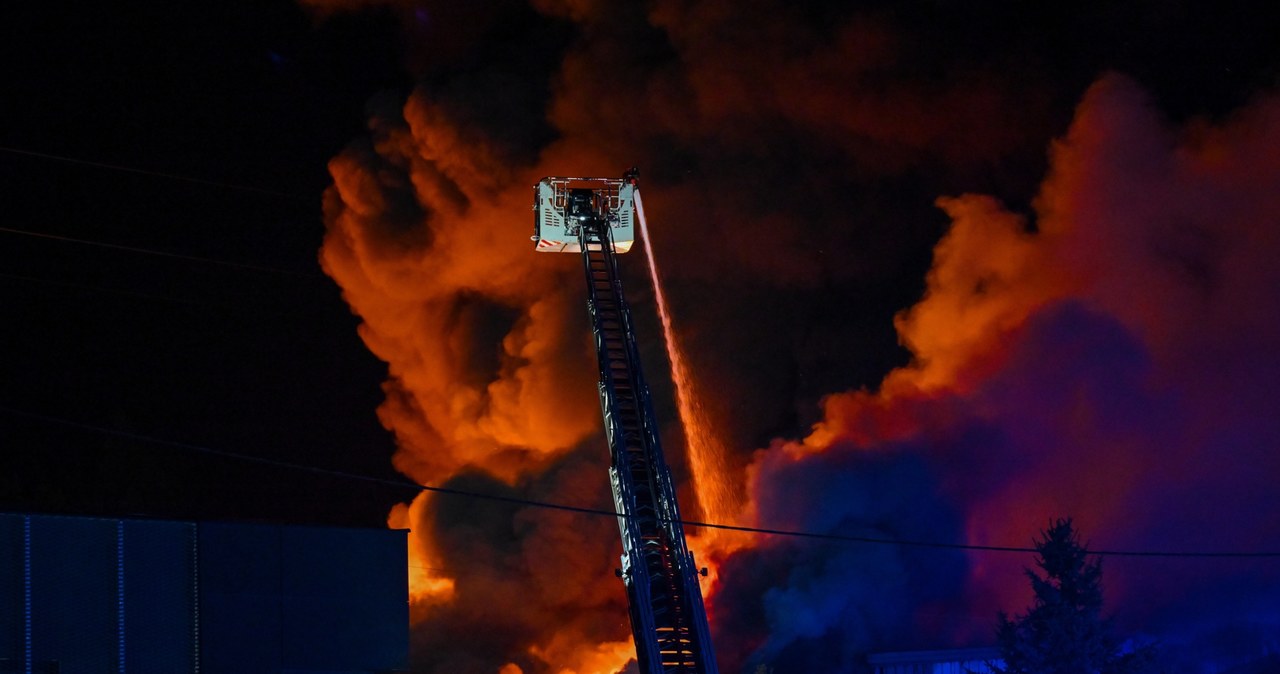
pixel 491 381
pixel 1113 364
pixel 1089 363
pixel 486 360
pixel 490 375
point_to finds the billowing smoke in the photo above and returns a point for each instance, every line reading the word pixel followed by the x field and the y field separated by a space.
pixel 1111 361
pixel 491 388
pixel 1104 354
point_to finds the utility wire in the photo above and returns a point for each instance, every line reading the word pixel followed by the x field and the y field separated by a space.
pixel 156 174
pixel 600 512
pixel 159 253
pixel 446 490
pixel 99 289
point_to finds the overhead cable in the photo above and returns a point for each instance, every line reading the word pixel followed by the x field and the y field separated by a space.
pixel 160 253
pixel 600 512
pixel 155 174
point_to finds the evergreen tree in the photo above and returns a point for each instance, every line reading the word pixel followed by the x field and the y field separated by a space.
pixel 1064 632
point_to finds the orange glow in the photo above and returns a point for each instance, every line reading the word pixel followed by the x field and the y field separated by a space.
pixel 428 584
pixel 574 657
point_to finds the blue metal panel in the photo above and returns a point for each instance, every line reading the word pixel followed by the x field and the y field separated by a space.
pixel 135 596
pixel 73 591
pixel 306 598
pixel 159 597
pixel 239 598
pixel 239 634
pixel 953 661
pixel 12 596
pixel 342 608
pixel 239 558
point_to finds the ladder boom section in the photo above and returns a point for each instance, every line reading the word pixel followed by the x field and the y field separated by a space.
pixel 668 618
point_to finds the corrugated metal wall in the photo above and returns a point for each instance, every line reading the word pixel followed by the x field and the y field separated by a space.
pixel 84 595
pixel 13 602
pixel 954 661
pixel 302 599
pixel 95 595
pixel 969 667
pixel 161 628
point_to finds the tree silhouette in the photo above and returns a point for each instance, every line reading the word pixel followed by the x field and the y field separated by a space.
pixel 1064 632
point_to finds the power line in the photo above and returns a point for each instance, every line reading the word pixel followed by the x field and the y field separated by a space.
pixel 158 253
pixel 600 512
pixel 156 174
pixel 96 288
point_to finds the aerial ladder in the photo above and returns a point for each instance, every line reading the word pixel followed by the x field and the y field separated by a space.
pixel 595 218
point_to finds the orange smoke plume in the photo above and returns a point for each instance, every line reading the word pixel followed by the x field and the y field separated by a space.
pixel 488 364
pixel 489 360
pixel 758 125
pixel 1087 365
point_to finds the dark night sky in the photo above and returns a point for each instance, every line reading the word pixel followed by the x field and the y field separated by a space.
pixel 263 362
pixel 203 133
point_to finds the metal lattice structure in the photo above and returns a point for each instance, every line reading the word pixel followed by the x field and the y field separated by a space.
pixel 668 619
